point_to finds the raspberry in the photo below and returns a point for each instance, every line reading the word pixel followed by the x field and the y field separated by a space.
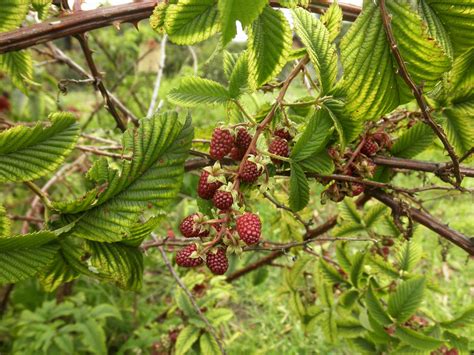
pixel 370 147
pixel 183 257
pixel 223 200
pixel 236 153
pixel 249 228
pixel 279 146
pixel 357 188
pixel 217 262
pixel 283 133
pixel 221 143
pixel 250 172
pixel 243 139
pixel 206 189
pixel 190 228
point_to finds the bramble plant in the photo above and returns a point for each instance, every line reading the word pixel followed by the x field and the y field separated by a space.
pixel 323 117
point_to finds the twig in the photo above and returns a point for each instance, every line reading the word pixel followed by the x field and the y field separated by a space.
pixel 268 118
pixel 418 92
pixel 159 75
pixel 63 58
pixel 38 192
pixel 424 218
pixel 102 153
pixel 195 59
pixel 286 208
pixel 314 233
pixel 48 184
pixel 98 81
pixel 201 315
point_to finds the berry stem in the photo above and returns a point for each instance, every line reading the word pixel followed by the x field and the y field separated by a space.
pixel 262 125
pixel 274 156
pixel 246 114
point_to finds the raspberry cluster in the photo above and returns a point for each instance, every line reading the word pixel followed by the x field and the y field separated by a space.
pixel 354 164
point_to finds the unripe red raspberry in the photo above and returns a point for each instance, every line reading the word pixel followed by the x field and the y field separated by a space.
pixel 207 189
pixel 250 172
pixel 279 146
pixel 385 251
pixel 222 142
pixel 243 139
pixel 249 228
pixel 223 200
pixel 283 133
pixel 217 261
pixel 357 188
pixel 191 229
pixel 183 257
pixel 370 147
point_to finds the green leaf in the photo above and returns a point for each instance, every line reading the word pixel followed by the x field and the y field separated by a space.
pixel 321 51
pixel 314 138
pixel 459 342
pixel 60 270
pixel 348 298
pixel 117 263
pixel 348 211
pixel 375 308
pixel 414 141
pixel 269 44
pixel 346 127
pixel 370 78
pixel 295 274
pixel 239 77
pixel 140 231
pixel 5 223
pixel 23 256
pixel 464 319
pixel 436 27
pixel 383 266
pixel 409 255
pixel 459 125
pixel 349 328
pixel 342 257
pixel 320 163
pixel 159 148
pixel 375 214
pixel 332 19
pixel 330 273
pixel 93 336
pixel 348 229
pixel 244 11
pixel 208 345
pixel 194 91
pixel 192 21
pixel 417 340
pixel 42 7
pixel 364 345
pixel 185 304
pixel 104 311
pixel 324 291
pixel 457 83
pixel 329 326
pixel 299 188
pixel 357 268
pixel 19 67
pixel 186 338
pixel 406 299
pixel 30 153
pixel 157 18
pixel 457 17
pixel 12 14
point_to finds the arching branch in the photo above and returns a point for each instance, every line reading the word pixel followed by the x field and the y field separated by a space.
pixel 84 21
